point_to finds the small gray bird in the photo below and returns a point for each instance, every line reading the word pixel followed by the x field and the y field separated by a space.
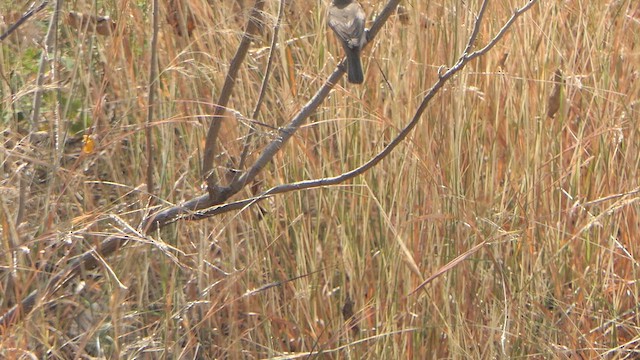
pixel 346 18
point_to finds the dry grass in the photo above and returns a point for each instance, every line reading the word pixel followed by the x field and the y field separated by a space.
pixel 556 200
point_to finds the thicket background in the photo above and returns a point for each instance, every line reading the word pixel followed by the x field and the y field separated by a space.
pixel 555 199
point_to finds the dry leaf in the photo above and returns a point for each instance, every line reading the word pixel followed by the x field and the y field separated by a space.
pixel 103 25
pixel 553 103
pixel 348 315
pixel 503 59
pixel 88 144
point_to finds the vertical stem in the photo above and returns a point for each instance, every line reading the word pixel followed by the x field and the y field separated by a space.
pixel 153 73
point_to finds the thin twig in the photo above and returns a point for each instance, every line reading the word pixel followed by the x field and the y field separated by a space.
pixel 49 53
pixel 476 27
pixel 263 87
pixel 206 201
pixel 23 18
pixel 212 135
pixel 90 259
pixel 44 61
pixel 190 208
pixel 503 30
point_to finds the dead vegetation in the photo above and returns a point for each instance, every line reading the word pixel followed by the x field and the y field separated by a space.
pixel 504 224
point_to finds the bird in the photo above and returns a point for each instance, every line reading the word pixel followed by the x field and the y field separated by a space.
pixel 346 18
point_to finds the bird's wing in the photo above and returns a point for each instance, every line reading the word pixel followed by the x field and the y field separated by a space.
pixel 348 29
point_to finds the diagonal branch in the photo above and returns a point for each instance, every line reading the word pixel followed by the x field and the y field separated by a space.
pixel 265 82
pixel 184 212
pixel 476 27
pixel 91 259
pixel 32 11
pixel 212 135
pixel 286 132
pixel 188 208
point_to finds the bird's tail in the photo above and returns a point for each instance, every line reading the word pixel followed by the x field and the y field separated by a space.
pixel 354 68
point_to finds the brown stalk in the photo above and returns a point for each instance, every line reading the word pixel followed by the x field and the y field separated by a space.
pixel 153 74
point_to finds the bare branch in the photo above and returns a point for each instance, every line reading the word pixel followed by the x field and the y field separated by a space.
pixel 381 19
pixel 476 27
pixel 23 18
pixel 329 181
pixel 191 208
pixel 503 30
pixel 285 133
pixel 91 259
pixel 265 81
pixel 212 135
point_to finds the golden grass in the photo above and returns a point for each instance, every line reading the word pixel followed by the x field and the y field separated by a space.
pixel 556 200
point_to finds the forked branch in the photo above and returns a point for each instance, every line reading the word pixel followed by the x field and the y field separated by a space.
pixel 212 135
pixel 189 208
pixel 92 258
pixel 463 60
